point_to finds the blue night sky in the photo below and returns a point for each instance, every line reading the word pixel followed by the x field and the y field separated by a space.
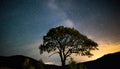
pixel 23 23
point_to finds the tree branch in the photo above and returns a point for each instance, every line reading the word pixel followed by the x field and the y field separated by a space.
pixel 59 43
pixel 68 55
pixel 53 54
pixel 67 52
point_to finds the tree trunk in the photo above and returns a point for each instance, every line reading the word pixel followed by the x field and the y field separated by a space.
pixel 63 59
pixel 63 64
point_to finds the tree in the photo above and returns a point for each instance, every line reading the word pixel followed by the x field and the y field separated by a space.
pixel 66 41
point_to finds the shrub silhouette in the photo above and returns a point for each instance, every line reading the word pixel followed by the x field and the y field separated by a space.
pixel 74 65
pixel 27 64
pixel 40 64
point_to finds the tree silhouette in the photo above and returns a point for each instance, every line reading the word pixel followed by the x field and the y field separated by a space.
pixel 66 41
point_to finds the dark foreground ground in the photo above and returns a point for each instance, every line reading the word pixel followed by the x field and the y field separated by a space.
pixel 110 61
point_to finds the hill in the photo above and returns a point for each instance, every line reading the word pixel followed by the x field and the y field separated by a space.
pixel 18 62
pixel 109 61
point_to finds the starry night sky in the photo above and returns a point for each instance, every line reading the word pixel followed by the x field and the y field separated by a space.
pixel 23 23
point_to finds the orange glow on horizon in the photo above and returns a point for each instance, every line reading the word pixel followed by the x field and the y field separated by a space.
pixel 103 50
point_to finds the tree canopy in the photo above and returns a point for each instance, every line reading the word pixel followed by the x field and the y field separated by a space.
pixel 66 41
